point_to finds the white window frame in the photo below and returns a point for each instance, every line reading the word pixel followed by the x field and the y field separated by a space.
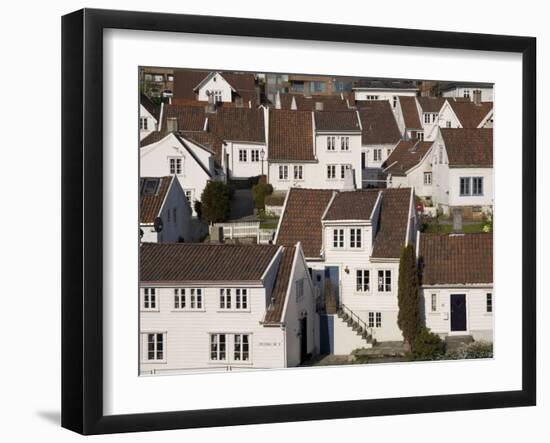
pixel 180 299
pixel 150 301
pixel 215 345
pixel 255 155
pixel 331 143
pixel 489 308
pixel 420 135
pixel 344 143
pixel 433 303
pixel 466 190
pixel 298 172
pixel 374 319
pixel 175 165
pixel 427 178
pixel 338 238
pixel 241 299
pixel 362 281
pixel 196 301
pixel 243 155
pixel 383 286
pixel 241 348
pixel 143 123
pixel 355 238
pixel 283 172
pixel 155 342
pixel 377 154
pixel 331 172
pixel 188 195
pixel 477 186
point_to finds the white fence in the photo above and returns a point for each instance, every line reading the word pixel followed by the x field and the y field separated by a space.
pixel 266 235
pixel 241 230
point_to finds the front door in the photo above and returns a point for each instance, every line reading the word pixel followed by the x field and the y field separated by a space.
pixel 458 312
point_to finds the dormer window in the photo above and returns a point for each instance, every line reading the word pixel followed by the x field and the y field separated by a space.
pixel 355 238
pixel 331 143
pixel 338 238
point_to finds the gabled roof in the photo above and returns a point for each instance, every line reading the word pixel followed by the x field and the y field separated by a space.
pixel 385 83
pixel 151 138
pixel 151 107
pixel 290 135
pixel 189 118
pixel 274 312
pixel 470 114
pixel 336 121
pixel 301 220
pixel 352 205
pixel 378 123
pixel 150 204
pixel 392 226
pixel 407 154
pixel 431 104
pixel 238 124
pixel 456 258
pixel 204 262
pixel 469 147
pixel 445 86
pixel 410 112
pixel 329 103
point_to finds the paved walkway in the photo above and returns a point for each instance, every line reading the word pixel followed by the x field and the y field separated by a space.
pixel 242 206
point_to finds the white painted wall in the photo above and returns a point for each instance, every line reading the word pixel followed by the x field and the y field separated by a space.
pixel 447 117
pixel 242 169
pixel 486 93
pixel 415 177
pixel 382 93
pixel 216 83
pixel 346 339
pixel 152 122
pixel 337 157
pixel 385 151
pixel 485 201
pixel 479 322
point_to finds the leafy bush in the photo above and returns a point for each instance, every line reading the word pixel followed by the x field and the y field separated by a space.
pixel 198 208
pixel 215 202
pixel 259 192
pixel 478 349
pixel 428 346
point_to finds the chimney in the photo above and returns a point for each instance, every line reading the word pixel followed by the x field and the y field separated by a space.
pixel 172 124
pixel 319 106
pixel 457 220
pixel 211 106
pixel 477 97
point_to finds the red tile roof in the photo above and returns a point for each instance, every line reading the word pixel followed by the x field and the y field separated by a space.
pixel 407 154
pixel 290 135
pixel 301 220
pixel 456 258
pixel 470 114
pixel 274 311
pixel 378 122
pixel 189 118
pixel 203 262
pixel 431 104
pixel 151 204
pixel 328 103
pixel 336 121
pixel 469 147
pixel 353 205
pixel 410 112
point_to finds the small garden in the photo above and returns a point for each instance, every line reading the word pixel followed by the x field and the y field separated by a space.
pixel 260 192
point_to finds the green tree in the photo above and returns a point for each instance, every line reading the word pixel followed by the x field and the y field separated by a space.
pixel 408 318
pixel 215 202
pixel 259 192
pixel 428 346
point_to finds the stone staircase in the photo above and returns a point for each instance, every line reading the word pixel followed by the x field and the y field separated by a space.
pixel 355 323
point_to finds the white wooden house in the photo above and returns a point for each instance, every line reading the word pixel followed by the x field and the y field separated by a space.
pixel 207 307
pixel 149 116
pixel 466 114
pixel 314 149
pixel 380 89
pixel 462 170
pixel 468 90
pixel 165 212
pixel 457 296
pixel 352 242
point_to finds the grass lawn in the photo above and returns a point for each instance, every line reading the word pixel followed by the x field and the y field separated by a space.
pixel 269 223
pixel 433 228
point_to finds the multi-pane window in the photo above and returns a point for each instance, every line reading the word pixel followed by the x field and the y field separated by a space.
pixel 343 169
pixel 283 172
pixel 466 93
pixel 344 143
pixel 149 299
pixel 225 298
pixel 427 178
pixel 299 289
pixel 372 97
pixel 155 346
pixel 355 238
pixel 420 135
pixel 465 186
pixel 331 171
pixel 338 238
pixel 430 117
pixel 377 155
pixel 218 347
pixel 217 95
pixel 195 298
pixel 143 121
pixel 298 172
pixel 434 303
pixel 175 165
pixel 384 280
pixel 449 124
pixel 242 155
pixel 241 299
pixel 241 347
pixel 363 280
pixel 188 194
pixel 477 186
pixel 331 143
pixel 375 319
pixel 179 299
pixel 489 303
pixel 255 155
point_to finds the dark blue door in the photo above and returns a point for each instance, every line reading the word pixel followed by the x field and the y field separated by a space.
pixel 458 312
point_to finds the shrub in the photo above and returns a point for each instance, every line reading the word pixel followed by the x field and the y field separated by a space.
pixel 428 346
pixel 478 349
pixel 259 192
pixel 215 202
pixel 408 318
pixel 198 208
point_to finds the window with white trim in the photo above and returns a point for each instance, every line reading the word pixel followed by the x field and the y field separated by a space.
pixel 384 280
pixel 433 306
pixel 179 299
pixel 241 347
pixel 375 320
pixel 331 172
pixel 283 172
pixel 225 298
pixel 241 299
pixel 344 143
pixel 143 122
pixel 372 97
pixel 255 155
pixel 188 194
pixel 427 178
pixel 195 299
pixel 242 155
pixel 466 93
pixel 363 280
pixel 155 346
pixel 355 238
pixel 149 299
pixel 331 143
pixel 377 155
pixel 298 172
pixel 489 303
pixel 420 135
pixel 338 238
pixel 343 169
pixel 218 347
pixel 175 165
pixel 477 186
pixel 465 186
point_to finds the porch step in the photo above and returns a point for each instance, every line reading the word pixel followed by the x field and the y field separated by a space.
pixel 454 342
pixel 356 327
pixel 386 349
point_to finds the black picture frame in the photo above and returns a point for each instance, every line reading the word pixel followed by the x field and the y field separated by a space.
pixel 82 190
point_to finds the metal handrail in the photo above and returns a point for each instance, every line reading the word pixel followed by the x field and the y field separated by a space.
pixel 356 319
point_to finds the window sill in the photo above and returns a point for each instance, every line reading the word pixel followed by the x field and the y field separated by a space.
pixel 154 362
pixel 188 310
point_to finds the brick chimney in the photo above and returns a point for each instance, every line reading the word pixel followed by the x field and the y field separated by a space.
pixel 172 124
pixel 476 97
